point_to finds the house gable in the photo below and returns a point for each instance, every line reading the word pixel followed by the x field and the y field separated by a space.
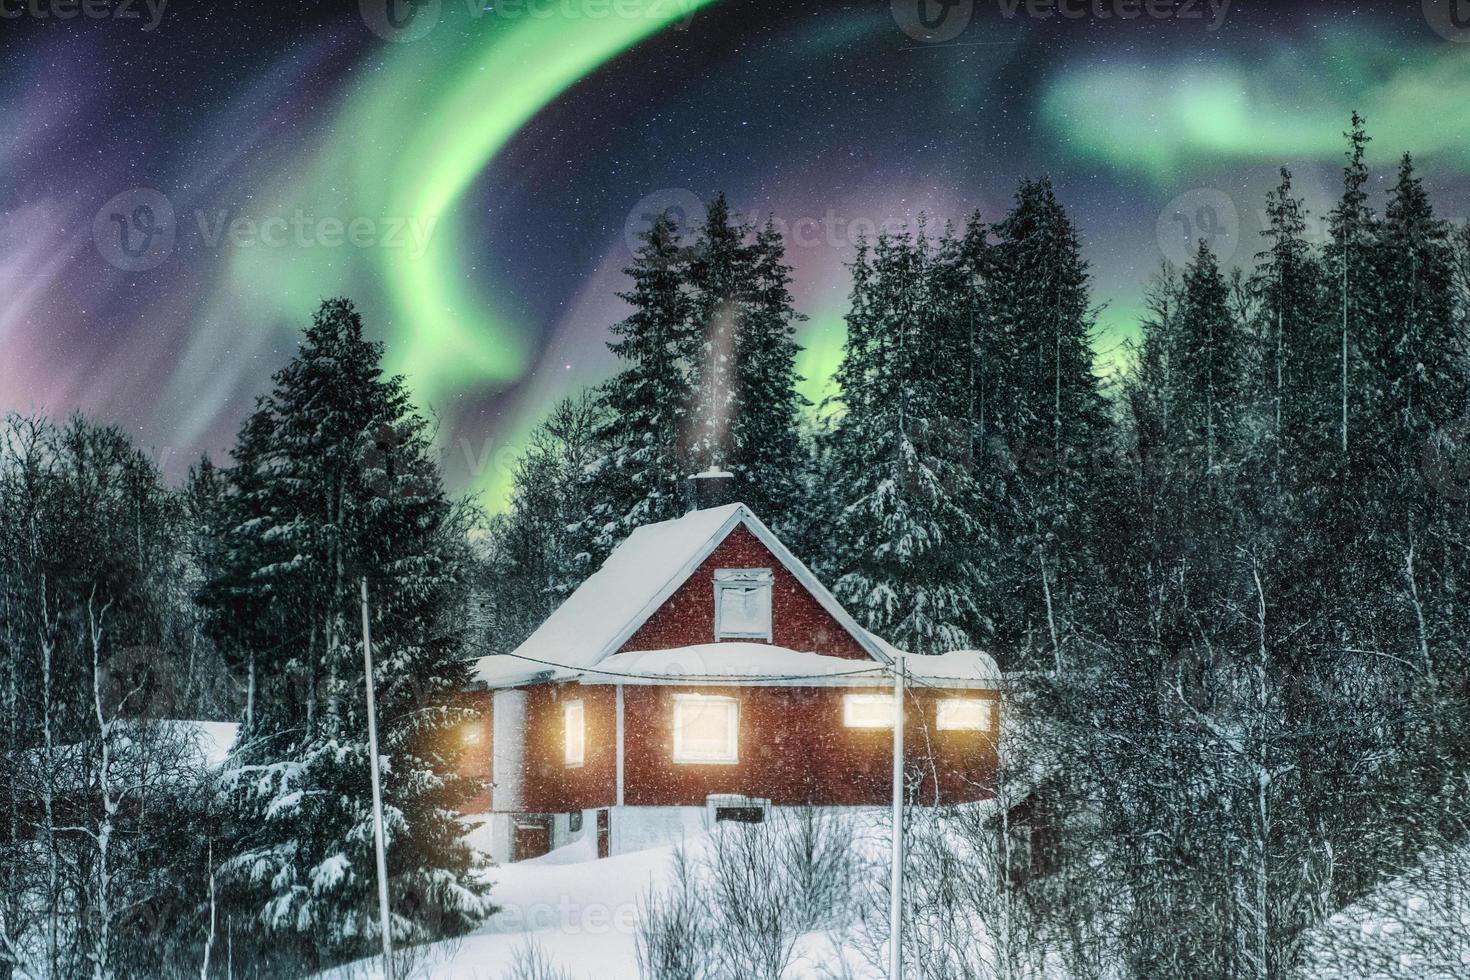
pixel 799 621
pixel 649 569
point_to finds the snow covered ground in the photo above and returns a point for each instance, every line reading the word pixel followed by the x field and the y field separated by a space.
pixel 583 914
pixel 1414 927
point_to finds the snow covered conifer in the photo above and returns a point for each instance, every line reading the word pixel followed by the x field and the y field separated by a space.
pixel 1045 415
pixel 335 481
pixel 1207 358
pixel 907 553
pixel 719 280
pixel 769 458
pixel 636 480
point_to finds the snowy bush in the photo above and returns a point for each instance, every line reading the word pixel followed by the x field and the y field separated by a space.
pixel 675 935
pixel 532 963
pixel 738 908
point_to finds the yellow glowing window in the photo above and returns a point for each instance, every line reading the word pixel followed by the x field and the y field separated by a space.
pixel 964 715
pixel 706 728
pixel 574 722
pixel 867 711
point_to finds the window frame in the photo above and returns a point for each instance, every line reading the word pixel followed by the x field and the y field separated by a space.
pixel 745 578
pixel 567 708
pixel 885 700
pixel 986 705
pixel 685 758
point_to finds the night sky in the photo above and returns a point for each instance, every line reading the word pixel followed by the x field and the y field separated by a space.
pixel 180 193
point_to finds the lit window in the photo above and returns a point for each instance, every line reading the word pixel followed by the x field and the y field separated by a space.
pixel 705 728
pixel 743 603
pixel 964 715
pixel 576 732
pixel 867 711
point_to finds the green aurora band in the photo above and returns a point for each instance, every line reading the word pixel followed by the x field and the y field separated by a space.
pixel 477 79
pixel 1202 115
pixel 407 143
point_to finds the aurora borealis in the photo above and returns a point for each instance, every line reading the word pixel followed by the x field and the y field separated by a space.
pixel 498 157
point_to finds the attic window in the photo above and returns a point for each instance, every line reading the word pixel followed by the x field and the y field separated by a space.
pixel 743 603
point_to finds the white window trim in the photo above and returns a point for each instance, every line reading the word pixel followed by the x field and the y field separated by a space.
pixel 744 578
pixel 567 709
pixel 850 701
pixel 949 725
pixel 722 759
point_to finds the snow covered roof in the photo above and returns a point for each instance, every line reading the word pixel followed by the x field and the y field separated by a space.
pixel 637 578
pixel 212 740
pixel 773 666
pixel 732 663
pixel 755 664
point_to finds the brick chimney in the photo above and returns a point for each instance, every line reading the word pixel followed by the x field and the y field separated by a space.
pixel 712 488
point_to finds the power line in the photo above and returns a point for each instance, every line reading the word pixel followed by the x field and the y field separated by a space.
pixel 698 678
pixel 882 669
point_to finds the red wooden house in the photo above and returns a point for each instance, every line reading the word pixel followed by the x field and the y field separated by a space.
pixel 703 673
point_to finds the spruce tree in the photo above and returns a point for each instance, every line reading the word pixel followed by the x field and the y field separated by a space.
pixel 1298 368
pixel 1349 260
pixel 1048 418
pixel 335 481
pixel 1207 358
pixel 636 480
pixel 769 460
pixel 535 556
pixel 745 408
pixel 1416 352
pixel 718 277
pixel 909 547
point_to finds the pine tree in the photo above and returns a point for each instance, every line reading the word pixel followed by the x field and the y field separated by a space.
pixel 719 280
pixel 1208 360
pixel 334 481
pixel 637 479
pixel 1048 419
pixel 907 555
pixel 769 460
pixel 1348 258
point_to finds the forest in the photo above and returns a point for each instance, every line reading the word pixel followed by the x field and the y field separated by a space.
pixel 1227 584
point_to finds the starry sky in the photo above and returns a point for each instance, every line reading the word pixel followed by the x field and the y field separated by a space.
pixel 182 186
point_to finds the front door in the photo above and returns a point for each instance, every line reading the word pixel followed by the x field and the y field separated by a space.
pixel 604 834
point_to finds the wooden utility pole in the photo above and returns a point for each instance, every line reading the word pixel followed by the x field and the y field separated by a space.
pixel 895 888
pixel 382 854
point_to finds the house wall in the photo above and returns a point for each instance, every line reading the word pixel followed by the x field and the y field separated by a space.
pixel 798 621
pixel 793 747
pixel 474 757
pixel 795 750
pixel 550 785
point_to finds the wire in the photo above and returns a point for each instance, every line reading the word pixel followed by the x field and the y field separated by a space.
pixel 696 678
